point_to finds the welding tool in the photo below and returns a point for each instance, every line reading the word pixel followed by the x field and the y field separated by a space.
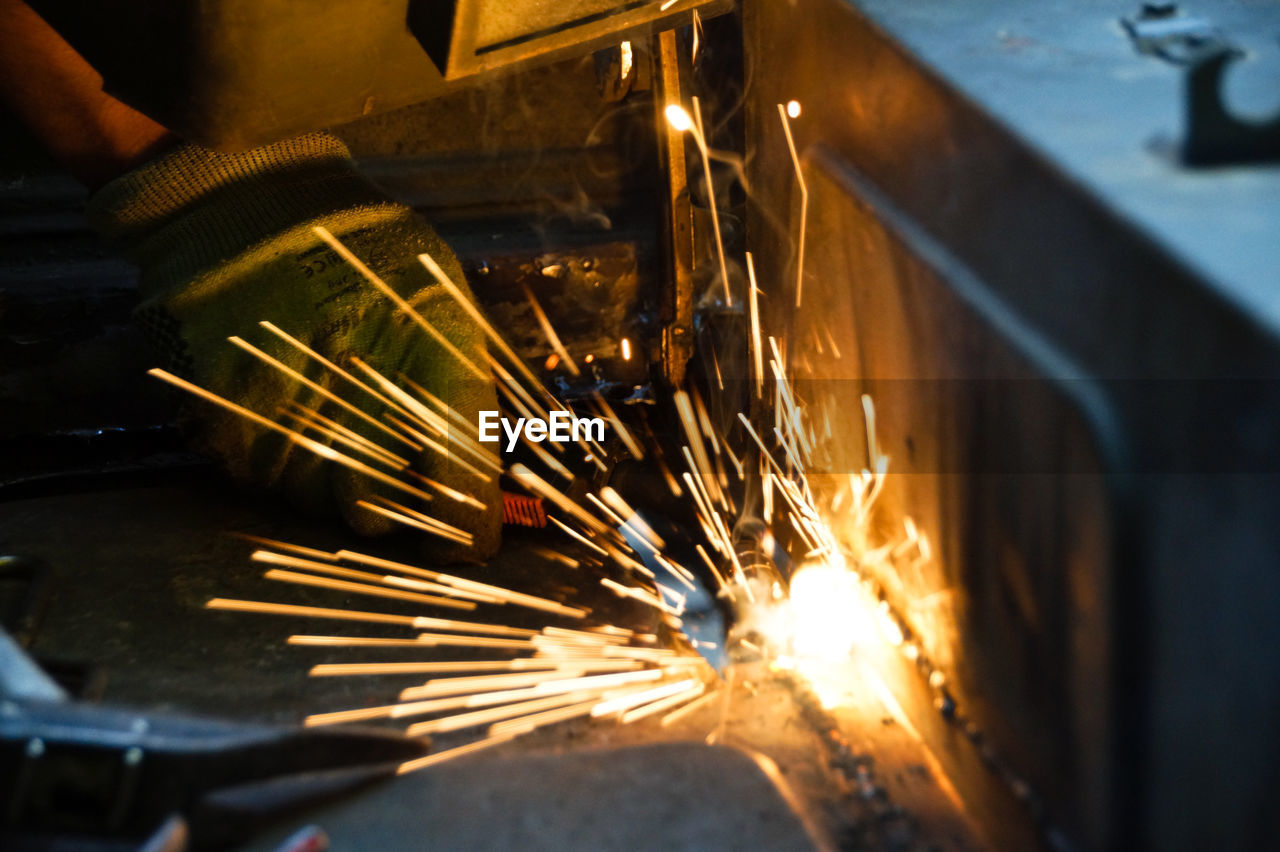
pixel 703 613
pixel 110 774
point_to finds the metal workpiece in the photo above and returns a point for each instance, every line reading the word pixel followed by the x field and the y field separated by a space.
pixel 601 300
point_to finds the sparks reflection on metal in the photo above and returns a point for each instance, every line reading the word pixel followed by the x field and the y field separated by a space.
pixel 627 60
pixel 784 112
pixel 678 118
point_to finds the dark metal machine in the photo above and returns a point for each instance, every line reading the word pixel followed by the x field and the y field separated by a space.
pixel 238 74
pixel 1068 325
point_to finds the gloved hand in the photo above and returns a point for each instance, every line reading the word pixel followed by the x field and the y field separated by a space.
pixel 224 241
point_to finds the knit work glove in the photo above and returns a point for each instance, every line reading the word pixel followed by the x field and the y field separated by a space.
pixel 224 241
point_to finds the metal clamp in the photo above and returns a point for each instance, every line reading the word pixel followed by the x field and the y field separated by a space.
pixel 1213 135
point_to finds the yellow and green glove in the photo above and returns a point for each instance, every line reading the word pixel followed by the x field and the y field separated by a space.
pixel 224 241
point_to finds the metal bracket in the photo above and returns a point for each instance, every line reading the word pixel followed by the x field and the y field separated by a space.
pixel 1213 135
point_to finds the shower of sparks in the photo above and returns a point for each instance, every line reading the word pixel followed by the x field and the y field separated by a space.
pixel 560 354
pixel 603 671
pixel 701 140
pixel 537 677
pixel 382 287
pixel 697 38
pixel 681 121
pixel 599 671
pixel 783 113
pixel 757 353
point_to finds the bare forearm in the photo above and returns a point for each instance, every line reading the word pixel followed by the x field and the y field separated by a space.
pixel 59 97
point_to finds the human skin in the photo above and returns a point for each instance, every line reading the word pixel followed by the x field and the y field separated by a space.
pixel 59 97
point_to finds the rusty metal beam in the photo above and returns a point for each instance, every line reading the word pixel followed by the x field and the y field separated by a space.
pixel 677 333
